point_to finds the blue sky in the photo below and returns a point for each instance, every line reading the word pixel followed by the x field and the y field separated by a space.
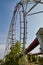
pixel 6 11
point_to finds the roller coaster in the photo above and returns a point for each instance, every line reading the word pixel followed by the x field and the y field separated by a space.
pixel 18 28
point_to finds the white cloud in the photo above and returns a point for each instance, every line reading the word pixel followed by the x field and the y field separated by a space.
pixel 3 38
pixel 2 49
pixel 2 46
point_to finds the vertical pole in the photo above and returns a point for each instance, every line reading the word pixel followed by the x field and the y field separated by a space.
pixel 24 39
pixel 20 26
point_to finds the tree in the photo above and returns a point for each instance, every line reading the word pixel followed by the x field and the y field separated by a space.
pixel 11 57
pixel 1 60
pixel 34 58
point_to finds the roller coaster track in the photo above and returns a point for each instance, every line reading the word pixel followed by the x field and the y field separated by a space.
pixel 11 39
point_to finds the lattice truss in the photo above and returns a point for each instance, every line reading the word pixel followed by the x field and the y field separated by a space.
pixel 19 24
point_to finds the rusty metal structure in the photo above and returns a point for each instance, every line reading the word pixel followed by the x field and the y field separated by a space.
pixel 34 44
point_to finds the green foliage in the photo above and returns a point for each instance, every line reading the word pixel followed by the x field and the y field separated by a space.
pixel 1 60
pixel 34 59
pixel 40 59
pixel 16 48
pixel 11 58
